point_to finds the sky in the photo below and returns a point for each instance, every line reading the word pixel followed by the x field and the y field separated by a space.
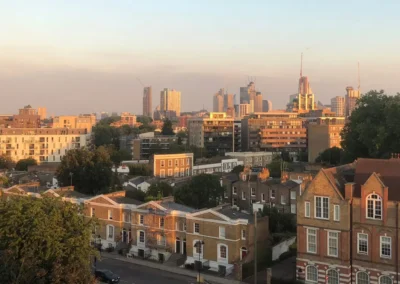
pixel 86 56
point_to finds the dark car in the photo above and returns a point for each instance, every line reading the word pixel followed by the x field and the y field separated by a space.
pixel 106 276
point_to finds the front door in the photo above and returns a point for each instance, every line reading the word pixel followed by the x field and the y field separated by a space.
pixel 184 246
pixel 124 236
pixel 178 246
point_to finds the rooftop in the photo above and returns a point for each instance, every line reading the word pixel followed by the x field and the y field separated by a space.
pixel 234 214
pixel 177 206
pixel 125 200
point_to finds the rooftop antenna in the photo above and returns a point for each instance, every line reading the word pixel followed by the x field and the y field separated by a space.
pixel 358 76
pixel 301 65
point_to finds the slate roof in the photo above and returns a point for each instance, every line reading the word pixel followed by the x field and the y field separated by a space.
pixel 125 200
pixel 235 214
pixel 137 180
pixel 177 206
pixel 341 175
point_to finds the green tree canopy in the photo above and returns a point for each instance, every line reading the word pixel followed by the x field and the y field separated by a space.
pixel 117 156
pixel 109 120
pixel 160 188
pixel 167 128
pixel 44 240
pixel 22 165
pixel 91 170
pixel 202 191
pixel 144 119
pixel 238 169
pixel 275 167
pixel 140 170
pixel 331 156
pixel 6 163
pixel 127 130
pixel 105 135
pixel 373 130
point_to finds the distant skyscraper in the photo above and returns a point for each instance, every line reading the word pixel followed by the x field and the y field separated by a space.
pixel 338 106
pixel 229 101
pixel 304 100
pixel 351 99
pixel 218 101
pixel 267 105
pixel 258 102
pixel 244 109
pixel 42 112
pixel 170 100
pixel 248 95
pixel 147 102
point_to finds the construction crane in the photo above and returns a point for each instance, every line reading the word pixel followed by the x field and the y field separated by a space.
pixel 137 78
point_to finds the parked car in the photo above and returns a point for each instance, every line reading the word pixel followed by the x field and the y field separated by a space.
pixel 106 276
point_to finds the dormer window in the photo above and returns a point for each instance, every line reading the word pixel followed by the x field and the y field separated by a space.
pixel 374 207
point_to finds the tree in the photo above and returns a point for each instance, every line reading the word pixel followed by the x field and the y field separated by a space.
pixel 167 128
pixel 331 156
pixel 140 170
pixel 127 130
pixel 275 167
pixel 109 120
pixel 4 181
pixel 117 156
pixel 91 170
pixel 238 169
pixel 144 119
pixel 279 222
pixel 6 163
pixel 105 135
pixel 202 191
pixel 373 130
pixel 44 240
pixel 22 165
pixel 160 188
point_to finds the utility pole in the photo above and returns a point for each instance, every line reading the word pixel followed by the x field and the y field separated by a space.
pixel 255 247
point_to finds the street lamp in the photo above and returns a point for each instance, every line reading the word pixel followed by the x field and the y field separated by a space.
pixel 199 245
pixel 71 174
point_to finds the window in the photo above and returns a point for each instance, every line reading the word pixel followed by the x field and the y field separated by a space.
pixel 311 274
pixel 293 195
pixel 161 240
pixel 283 200
pixel 311 240
pixel 243 234
pixel 110 214
pixel 162 173
pixel 243 253
pixel 182 162
pixel 141 219
pixel 362 278
pixel 321 207
pixel 161 222
pixel 272 193
pixel 127 217
pixel 386 246
pixel 170 172
pixel 262 197
pixel 234 190
pixel 222 251
pixel 141 237
pixel 385 280
pixel 222 232
pixel 110 232
pixel 199 247
pixel 187 161
pixel 187 172
pixel 243 195
pixel 196 228
pixel 225 194
pixel 336 213
pixel 92 212
pixel 332 277
pixel 169 163
pixel 333 243
pixel 374 207
pixel 182 172
pixel 293 208
pixel 184 227
pixel 307 209
pixel 362 243
pixel 176 162
pixel 162 163
pixel 253 191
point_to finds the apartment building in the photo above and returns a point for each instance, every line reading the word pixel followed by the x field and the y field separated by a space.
pixel 274 131
pixel 126 119
pixel 338 105
pixel 41 144
pixel 172 165
pixel 215 133
pixel 220 237
pixel 224 166
pixel 148 144
pixel 348 224
pixel 82 121
pixel 351 98
pixel 170 101
pixel 252 159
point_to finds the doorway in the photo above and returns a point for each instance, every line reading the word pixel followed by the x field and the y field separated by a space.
pixel 124 236
pixel 178 245
pixel 184 246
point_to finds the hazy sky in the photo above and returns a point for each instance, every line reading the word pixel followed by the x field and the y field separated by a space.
pixel 84 56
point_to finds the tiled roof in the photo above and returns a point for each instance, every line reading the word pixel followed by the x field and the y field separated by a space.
pixel 125 200
pixel 177 206
pixel 235 214
pixel 341 175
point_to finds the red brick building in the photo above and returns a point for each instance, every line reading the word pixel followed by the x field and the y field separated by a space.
pixel 348 224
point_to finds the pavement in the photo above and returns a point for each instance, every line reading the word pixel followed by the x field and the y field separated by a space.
pixel 153 270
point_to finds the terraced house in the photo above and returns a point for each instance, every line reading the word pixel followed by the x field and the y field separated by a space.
pixel 348 224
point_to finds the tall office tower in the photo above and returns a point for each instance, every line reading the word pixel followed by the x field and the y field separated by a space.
pixel 42 113
pixel 338 106
pixel 170 100
pixel 258 102
pixel 218 101
pixel 229 101
pixel 147 102
pixel 267 105
pixel 304 100
pixel 249 95
pixel 351 99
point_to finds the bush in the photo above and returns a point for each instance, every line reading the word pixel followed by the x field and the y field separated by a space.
pixel 110 249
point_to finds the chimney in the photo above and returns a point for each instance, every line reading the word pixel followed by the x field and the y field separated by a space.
pixel 348 190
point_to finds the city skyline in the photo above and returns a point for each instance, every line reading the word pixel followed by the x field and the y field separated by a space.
pixel 51 50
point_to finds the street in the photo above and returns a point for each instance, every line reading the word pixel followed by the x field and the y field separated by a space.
pixel 136 274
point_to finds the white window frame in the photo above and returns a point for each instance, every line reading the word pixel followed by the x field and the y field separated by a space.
pixel 336 213
pixel 170 172
pixel 144 237
pixel 222 232
pixel 251 191
pixel 310 280
pixel 110 215
pixel 283 199
pixel 262 197
pixel 387 277
pixel 363 272
pixel 293 195
pixel 162 163
pixel 141 219
pixel 337 276
pixel 127 217
pixel 243 195
pixel 307 209
pixel 374 205
pixel 315 234
pixel 358 243
pixel 161 222
pixel 220 258
pixel 234 190
pixel 108 232
pixel 322 207
pixel 243 234
pixel 194 228
pixel 196 253
pixel 293 208
pixel 272 193
pixel 334 236
pixel 381 242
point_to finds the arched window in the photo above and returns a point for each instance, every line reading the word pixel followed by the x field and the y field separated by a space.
pixel 222 253
pixel 362 278
pixel 374 206
pixel 385 280
pixel 312 274
pixel 333 276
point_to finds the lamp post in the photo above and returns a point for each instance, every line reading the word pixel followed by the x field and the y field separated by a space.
pixel 199 245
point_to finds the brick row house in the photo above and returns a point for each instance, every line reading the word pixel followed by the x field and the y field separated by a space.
pixel 254 190
pixel 348 224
